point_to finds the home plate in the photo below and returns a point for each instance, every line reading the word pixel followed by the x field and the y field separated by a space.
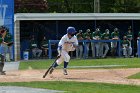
pixel 10 66
pixel 14 89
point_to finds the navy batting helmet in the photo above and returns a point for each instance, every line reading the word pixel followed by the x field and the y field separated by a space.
pixel 71 30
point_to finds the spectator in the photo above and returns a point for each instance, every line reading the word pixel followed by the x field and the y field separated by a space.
pixel 44 46
pixel 79 49
pixel 114 36
pixel 34 48
pixel 87 36
pixel 126 47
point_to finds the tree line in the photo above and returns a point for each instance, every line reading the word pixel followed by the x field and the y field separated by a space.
pixel 76 6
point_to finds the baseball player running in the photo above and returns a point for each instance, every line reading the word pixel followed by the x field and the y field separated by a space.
pixel 67 43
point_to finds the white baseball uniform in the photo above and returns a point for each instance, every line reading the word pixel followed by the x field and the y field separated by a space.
pixel 67 45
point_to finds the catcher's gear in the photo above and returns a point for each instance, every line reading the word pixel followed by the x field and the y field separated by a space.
pixel 51 68
pixel 10 44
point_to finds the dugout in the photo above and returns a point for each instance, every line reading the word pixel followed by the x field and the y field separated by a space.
pixel 53 25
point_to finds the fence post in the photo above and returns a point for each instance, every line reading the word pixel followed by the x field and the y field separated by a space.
pixel 138 48
pixel 119 48
pixel 85 49
pixel 50 50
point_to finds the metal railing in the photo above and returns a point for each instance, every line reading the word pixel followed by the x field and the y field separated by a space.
pixel 84 44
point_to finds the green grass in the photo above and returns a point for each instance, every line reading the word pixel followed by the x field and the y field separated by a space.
pixel 135 76
pixel 43 64
pixel 78 87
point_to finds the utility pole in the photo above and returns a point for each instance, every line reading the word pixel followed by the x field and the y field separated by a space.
pixel 96 6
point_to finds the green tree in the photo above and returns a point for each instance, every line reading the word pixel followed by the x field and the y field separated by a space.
pixel 120 6
pixel 26 6
pixel 77 6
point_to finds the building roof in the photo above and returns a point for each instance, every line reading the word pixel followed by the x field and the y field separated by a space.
pixel 77 16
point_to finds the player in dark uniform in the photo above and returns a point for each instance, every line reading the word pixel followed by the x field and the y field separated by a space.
pixel 8 38
pixel 34 48
pixel 114 36
pixel 97 36
pixel 87 36
pixel 129 36
pixel 44 46
pixel 105 36
pixel 126 47
pixel 2 43
pixel 79 49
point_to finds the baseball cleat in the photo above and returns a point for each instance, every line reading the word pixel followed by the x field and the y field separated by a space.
pixel 2 73
pixel 65 72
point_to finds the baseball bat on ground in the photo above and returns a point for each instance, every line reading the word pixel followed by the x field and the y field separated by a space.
pixel 46 73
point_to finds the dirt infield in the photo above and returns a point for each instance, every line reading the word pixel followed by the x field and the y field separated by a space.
pixel 117 76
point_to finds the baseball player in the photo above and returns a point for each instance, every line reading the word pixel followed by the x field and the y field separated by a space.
pixel 67 43
pixel 97 36
pixel 126 47
pixel 105 36
pixel 114 36
pixel 87 36
pixel 79 49
pixel 34 47
pixel 44 46
pixel 129 36
pixel 2 44
pixel 8 38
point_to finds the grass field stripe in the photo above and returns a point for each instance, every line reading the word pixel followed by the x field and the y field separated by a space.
pixel 97 66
